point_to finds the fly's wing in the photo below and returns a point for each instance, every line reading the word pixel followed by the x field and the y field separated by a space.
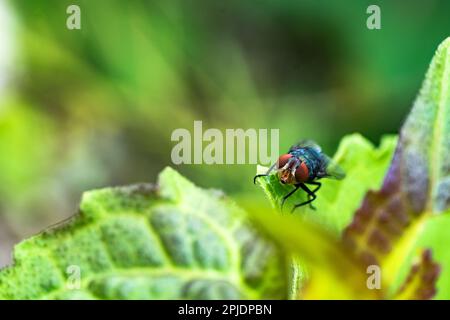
pixel 330 169
pixel 306 144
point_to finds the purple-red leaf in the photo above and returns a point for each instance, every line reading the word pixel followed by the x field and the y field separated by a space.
pixel 417 184
pixel 421 281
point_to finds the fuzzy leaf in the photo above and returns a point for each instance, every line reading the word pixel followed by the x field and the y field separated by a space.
pixel 175 241
pixel 417 185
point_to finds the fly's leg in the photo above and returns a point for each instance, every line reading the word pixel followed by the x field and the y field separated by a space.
pixel 288 195
pixel 311 196
pixel 318 185
pixel 315 183
pixel 259 175
pixel 312 199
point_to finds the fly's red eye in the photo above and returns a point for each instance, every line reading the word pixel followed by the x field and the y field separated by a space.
pixel 302 173
pixel 282 160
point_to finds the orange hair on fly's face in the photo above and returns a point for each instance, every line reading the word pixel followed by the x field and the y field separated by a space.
pixel 286 168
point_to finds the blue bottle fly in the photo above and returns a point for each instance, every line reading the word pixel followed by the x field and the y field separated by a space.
pixel 302 166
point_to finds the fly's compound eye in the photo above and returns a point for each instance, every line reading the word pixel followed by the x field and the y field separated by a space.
pixel 302 173
pixel 282 160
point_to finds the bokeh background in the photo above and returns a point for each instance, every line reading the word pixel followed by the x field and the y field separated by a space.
pixel 84 109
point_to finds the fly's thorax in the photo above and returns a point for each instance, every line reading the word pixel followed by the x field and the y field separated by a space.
pixel 313 161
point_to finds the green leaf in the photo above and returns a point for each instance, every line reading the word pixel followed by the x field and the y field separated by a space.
pixel 174 241
pixel 336 201
pixel 386 227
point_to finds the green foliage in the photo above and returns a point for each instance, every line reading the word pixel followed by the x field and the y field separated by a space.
pixel 177 241
pixel 174 241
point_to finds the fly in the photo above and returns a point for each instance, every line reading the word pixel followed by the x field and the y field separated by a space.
pixel 302 166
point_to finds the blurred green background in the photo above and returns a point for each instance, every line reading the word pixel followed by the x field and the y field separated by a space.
pixel 84 109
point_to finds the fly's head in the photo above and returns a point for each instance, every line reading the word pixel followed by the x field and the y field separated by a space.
pixel 292 170
pixel 287 165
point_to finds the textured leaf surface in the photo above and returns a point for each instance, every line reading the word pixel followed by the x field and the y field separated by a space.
pixel 417 185
pixel 175 241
